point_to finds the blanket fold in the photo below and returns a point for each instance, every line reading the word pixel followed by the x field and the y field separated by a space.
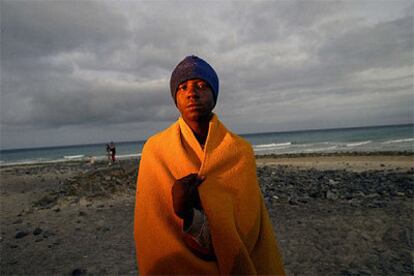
pixel 241 230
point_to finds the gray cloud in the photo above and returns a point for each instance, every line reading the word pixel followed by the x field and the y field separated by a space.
pixel 44 28
pixel 100 70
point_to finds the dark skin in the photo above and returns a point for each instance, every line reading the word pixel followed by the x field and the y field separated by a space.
pixel 185 195
pixel 195 102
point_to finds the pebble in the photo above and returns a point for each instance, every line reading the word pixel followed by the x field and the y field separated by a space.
pixel 21 234
pixel 37 231
pixel 331 195
pixel 78 272
pixel 300 186
pixel 47 234
pixel 332 182
pixel 13 262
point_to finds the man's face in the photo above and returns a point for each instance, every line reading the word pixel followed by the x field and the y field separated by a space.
pixel 195 100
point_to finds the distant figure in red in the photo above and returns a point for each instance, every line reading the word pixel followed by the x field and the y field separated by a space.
pixel 108 152
pixel 112 151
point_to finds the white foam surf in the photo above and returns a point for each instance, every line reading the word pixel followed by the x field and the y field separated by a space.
pixel 273 145
pixel 399 141
pixel 356 144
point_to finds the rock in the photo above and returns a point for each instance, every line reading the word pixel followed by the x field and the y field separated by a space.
pixel 46 202
pixel 82 214
pixel 47 234
pixel 78 272
pixel 27 211
pixel 349 272
pixel 56 209
pixel 17 221
pixel 331 195
pixel 332 182
pixel 377 204
pixel 37 231
pixel 303 200
pixel 293 201
pixel 84 202
pixel 21 234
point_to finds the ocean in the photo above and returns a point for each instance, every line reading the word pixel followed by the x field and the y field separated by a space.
pixel 360 139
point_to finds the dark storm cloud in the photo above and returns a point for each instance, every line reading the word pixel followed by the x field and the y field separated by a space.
pixel 41 45
pixel 102 103
pixel 384 45
pixel 329 69
pixel 44 28
pixel 88 66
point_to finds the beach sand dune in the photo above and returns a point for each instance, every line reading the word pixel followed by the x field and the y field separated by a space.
pixel 333 215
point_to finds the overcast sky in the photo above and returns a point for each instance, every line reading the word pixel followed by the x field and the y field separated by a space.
pixel 75 72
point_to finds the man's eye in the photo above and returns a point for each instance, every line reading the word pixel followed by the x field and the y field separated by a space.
pixel 182 87
pixel 202 85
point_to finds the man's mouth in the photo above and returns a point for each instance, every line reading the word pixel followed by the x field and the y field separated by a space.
pixel 194 106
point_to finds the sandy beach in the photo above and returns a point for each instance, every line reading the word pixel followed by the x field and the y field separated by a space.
pixel 338 214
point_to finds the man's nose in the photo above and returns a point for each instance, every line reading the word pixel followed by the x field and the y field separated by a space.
pixel 192 92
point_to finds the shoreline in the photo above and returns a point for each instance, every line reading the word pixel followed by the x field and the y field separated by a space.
pixel 92 159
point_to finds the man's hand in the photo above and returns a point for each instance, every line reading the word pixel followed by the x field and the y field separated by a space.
pixel 185 195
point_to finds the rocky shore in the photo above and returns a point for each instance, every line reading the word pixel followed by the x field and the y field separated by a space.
pixel 76 218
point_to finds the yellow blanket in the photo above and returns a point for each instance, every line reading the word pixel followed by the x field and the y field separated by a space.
pixel 241 231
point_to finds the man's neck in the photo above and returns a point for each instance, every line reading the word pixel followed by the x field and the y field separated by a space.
pixel 200 129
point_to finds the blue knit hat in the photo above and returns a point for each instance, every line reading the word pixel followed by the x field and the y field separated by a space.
pixel 193 67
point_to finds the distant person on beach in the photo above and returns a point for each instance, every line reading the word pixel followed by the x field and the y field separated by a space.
pixel 108 152
pixel 199 208
pixel 112 151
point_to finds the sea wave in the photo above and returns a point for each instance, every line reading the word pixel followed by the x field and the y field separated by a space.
pixel 399 141
pixel 66 158
pixel 356 144
pixel 273 145
pixel 320 149
pixel 71 157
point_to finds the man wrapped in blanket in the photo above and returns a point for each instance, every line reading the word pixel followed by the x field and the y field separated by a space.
pixel 199 208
